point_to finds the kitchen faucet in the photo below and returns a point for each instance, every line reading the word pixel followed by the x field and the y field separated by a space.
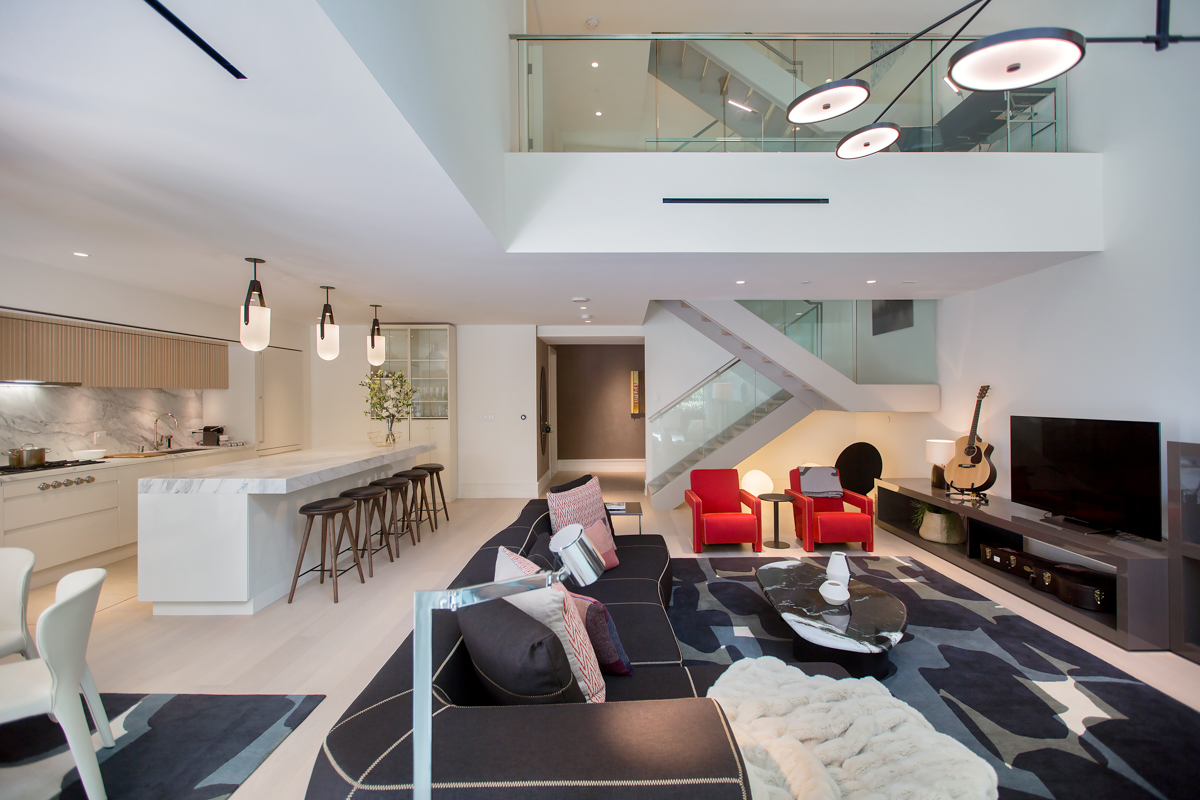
pixel 166 439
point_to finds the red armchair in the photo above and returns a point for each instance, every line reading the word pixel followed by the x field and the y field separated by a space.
pixel 716 501
pixel 825 520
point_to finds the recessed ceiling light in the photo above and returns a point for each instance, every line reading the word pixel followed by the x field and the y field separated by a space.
pixel 585 316
pixel 595 63
pixel 580 299
pixel 908 281
pixel 870 281
pixel 81 255
pixel 739 282
pixel 587 320
pixel 599 114
pixel 806 281
pixel 583 308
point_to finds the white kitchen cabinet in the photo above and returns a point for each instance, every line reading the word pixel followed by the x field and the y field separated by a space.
pixel 61 520
pixel 280 395
pixel 427 354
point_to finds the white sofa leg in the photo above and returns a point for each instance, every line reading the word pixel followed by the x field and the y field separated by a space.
pixel 99 716
pixel 79 739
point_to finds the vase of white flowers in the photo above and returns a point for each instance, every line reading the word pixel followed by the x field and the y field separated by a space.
pixel 389 397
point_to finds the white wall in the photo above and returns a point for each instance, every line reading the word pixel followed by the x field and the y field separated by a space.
pixel 889 203
pixel 448 67
pixel 338 401
pixel 497 383
pixel 1113 335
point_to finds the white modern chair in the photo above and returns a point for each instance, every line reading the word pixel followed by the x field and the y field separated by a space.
pixel 47 685
pixel 16 565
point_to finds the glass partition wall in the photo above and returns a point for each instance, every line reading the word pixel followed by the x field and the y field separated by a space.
pixel 729 93
pixel 868 341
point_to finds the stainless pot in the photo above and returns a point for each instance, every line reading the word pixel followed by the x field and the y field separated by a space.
pixel 27 456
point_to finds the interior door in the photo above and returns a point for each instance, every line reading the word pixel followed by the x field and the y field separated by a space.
pixel 552 380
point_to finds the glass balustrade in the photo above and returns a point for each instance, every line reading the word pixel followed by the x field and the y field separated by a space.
pixel 868 341
pixel 729 93
pixel 726 403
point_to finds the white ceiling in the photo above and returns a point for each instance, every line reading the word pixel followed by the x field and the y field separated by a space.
pixel 120 138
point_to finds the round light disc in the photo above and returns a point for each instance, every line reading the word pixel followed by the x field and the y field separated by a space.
pixel 869 140
pixel 828 100
pixel 1016 59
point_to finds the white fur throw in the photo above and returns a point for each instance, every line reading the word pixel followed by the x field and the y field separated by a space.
pixel 817 738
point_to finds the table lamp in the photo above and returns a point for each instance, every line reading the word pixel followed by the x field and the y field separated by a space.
pixel 939 452
pixel 757 482
pixel 580 561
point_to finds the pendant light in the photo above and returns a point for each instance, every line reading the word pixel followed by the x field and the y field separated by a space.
pixel 877 136
pixel 828 101
pixel 254 330
pixel 376 351
pixel 868 140
pixel 1016 59
pixel 327 332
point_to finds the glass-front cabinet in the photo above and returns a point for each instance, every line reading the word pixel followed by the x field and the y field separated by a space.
pixel 423 354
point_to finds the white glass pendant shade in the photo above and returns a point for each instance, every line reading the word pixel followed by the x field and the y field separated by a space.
pixel 757 482
pixel 328 347
pixel 828 100
pixel 256 334
pixel 1016 59
pixel 868 141
pixel 375 355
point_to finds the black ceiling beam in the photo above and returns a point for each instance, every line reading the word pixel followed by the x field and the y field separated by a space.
pixel 191 34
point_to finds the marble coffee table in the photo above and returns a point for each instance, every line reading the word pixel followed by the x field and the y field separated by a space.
pixel 858 635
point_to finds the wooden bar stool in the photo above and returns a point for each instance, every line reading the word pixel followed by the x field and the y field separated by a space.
pixel 419 507
pixel 435 474
pixel 328 511
pixel 371 499
pixel 398 489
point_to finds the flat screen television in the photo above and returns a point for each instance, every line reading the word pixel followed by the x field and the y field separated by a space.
pixel 1102 473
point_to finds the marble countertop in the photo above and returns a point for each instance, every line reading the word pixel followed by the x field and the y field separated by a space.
pixel 107 463
pixel 283 473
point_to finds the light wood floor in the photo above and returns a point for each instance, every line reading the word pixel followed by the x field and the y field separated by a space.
pixel 315 647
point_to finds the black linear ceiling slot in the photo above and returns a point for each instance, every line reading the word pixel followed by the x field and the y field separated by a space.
pixel 750 200
pixel 191 34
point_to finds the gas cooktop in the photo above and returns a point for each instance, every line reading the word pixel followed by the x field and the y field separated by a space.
pixel 4 470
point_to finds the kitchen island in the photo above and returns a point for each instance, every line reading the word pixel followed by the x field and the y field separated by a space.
pixel 224 539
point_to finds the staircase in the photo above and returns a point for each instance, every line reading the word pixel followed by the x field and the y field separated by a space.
pixel 716 424
pixel 710 73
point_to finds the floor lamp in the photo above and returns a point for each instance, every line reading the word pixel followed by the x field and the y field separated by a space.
pixel 580 561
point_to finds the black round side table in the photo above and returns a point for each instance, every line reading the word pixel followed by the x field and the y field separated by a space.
pixel 776 498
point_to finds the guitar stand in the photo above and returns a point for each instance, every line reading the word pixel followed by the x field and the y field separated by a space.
pixel 970 496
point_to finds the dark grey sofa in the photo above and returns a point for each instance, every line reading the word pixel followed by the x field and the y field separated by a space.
pixel 657 736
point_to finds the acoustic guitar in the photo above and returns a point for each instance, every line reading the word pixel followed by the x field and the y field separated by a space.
pixel 971 469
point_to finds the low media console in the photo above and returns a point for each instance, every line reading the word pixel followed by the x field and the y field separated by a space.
pixel 1142 618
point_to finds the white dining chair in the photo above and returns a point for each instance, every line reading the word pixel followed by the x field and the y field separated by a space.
pixel 16 565
pixel 47 685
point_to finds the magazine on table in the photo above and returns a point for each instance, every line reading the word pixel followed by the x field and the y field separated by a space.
pixel 615 506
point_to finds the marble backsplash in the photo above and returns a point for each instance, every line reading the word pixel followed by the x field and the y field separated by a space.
pixel 64 417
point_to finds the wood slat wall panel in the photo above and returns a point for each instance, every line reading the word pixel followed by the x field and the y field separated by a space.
pixel 45 349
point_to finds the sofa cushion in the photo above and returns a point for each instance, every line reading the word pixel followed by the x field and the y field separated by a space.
pixel 519 660
pixel 739 527
pixel 575 484
pixel 646 633
pixel 844 526
pixel 540 553
pixel 663 682
pixel 602 633
pixel 583 506
pixel 647 560
pixel 623 590
pixel 601 538
pixel 554 608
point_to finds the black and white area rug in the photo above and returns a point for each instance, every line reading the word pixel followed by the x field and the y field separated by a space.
pixel 1053 720
pixel 176 746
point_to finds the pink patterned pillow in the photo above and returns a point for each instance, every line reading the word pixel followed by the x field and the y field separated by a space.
pixel 512 565
pixel 554 608
pixel 584 506
pixel 601 537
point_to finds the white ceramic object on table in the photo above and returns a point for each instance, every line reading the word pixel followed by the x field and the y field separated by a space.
pixel 87 455
pixel 835 593
pixel 838 569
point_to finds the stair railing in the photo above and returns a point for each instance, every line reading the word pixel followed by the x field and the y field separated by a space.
pixel 698 385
